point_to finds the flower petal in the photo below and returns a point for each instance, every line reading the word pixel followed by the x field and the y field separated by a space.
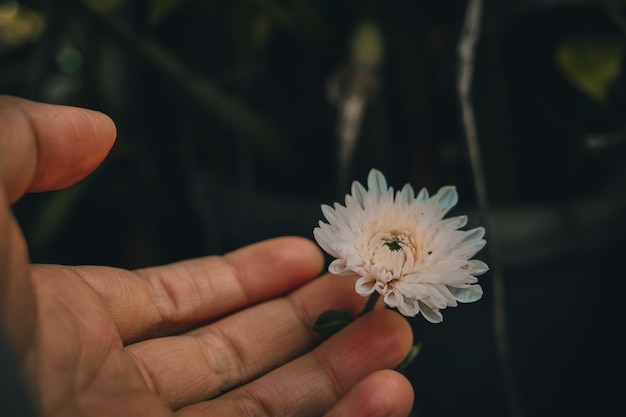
pixel 408 307
pixel 339 267
pixel 476 267
pixel 467 295
pixel 365 286
pixel 471 243
pixel 422 196
pixel 440 297
pixel 329 213
pixel 323 237
pixel 414 291
pixel 446 198
pixel 377 183
pixel 453 223
pixel 358 191
pixel 429 313
pixel 406 195
pixel 393 299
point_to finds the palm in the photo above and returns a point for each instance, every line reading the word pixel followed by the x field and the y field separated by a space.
pixel 82 351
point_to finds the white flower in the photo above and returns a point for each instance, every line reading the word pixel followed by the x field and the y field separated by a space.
pixel 401 247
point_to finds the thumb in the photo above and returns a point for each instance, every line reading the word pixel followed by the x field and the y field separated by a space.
pixel 42 147
pixel 47 147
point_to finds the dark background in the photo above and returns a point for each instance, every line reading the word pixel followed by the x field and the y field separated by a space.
pixel 227 135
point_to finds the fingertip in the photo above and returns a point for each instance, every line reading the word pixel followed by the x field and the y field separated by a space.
pixel 305 248
pixel 49 146
pixel 305 252
pixel 390 333
pixel 291 252
pixel 385 393
pixel 277 265
pixel 381 339
pixel 71 143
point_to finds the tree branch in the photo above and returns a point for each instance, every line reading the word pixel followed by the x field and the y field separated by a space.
pixel 470 34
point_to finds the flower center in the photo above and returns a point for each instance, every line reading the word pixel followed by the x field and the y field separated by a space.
pixel 393 244
pixel 393 252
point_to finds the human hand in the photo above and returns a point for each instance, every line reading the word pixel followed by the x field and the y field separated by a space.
pixel 214 336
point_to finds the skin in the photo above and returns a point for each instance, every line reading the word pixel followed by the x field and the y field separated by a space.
pixel 214 336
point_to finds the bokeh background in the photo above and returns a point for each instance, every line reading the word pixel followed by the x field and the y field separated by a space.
pixel 231 116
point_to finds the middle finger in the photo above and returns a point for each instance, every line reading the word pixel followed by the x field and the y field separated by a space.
pixel 205 362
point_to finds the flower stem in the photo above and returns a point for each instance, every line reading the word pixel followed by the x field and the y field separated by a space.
pixel 409 358
pixel 371 302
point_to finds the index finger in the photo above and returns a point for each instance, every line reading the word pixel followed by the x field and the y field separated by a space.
pixel 169 299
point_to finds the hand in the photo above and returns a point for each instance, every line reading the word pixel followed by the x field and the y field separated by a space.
pixel 215 336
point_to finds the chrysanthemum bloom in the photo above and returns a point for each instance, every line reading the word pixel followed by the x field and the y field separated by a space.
pixel 401 247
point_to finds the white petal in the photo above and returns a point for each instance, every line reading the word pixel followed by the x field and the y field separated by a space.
pixel 463 283
pixel 471 243
pixel 358 191
pixel 440 297
pixel 447 198
pixel 343 213
pixel 474 234
pixel 365 286
pixel 468 250
pixel 449 264
pixel 430 314
pixel 376 183
pixel 339 267
pixel 329 213
pixel 453 222
pixel 415 291
pixel 392 298
pixel 324 238
pixel 423 195
pixel 406 195
pixel 408 307
pixel 352 201
pixel 476 267
pixel 467 295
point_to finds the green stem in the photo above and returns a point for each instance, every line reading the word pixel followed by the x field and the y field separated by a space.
pixel 371 302
pixel 409 358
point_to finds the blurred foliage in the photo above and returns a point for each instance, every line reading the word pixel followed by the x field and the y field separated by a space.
pixel 108 6
pixel 224 108
pixel 592 63
pixel 19 25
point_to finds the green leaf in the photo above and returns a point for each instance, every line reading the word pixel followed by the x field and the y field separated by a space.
pixel 331 321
